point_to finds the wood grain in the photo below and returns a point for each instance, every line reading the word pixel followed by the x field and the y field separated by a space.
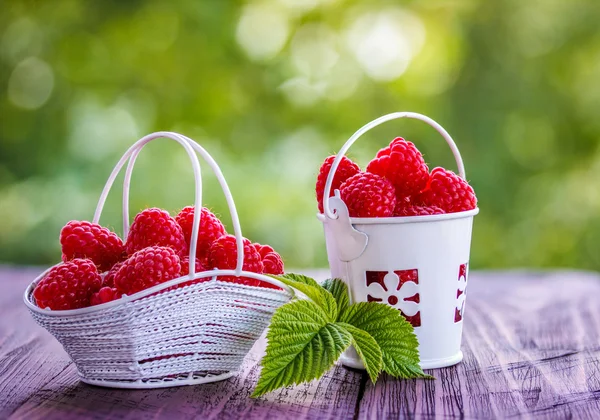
pixel 531 345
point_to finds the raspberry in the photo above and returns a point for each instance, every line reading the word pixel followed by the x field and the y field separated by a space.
pixel 403 164
pixel 81 239
pixel 345 170
pixel 211 228
pixel 223 255
pixel 412 210
pixel 368 195
pixel 272 261
pixel 447 191
pixel 69 285
pixel 263 250
pixel 146 268
pixel 104 295
pixel 109 277
pixel 185 266
pixel 155 227
pixel 185 271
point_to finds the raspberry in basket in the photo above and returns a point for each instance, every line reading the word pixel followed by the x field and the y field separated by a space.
pixel 447 191
pixel 211 228
pixel 155 227
pixel 345 170
pixel 185 271
pixel 223 255
pixel 109 277
pixel 403 164
pixel 272 261
pixel 81 239
pixel 146 268
pixel 185 266
pixel 368 195
pixel 68 285
pixel 104 295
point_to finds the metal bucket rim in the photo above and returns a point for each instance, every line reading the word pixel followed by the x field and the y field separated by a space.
pixel 409 219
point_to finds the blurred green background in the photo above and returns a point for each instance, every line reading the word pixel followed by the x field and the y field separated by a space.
pixel 272 87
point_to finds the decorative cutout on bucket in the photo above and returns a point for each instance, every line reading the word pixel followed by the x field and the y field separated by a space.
pixel 398 289
pixel 461 293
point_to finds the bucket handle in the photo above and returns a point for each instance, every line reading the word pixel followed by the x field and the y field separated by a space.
pixel 191 147
pixel 373 124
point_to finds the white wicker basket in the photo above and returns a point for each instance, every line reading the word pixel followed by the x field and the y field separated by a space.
pixel 166 336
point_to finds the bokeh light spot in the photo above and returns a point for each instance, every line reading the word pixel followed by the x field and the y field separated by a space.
pixel 96 131
pixel 30 84
pixel 301 91
pixel 385 42
pixel 313 50
pixel 262 31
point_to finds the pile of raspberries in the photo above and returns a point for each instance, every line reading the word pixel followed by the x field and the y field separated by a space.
pixel 397 183
pixel 98 267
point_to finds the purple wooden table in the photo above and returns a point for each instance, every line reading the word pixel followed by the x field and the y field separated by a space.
pixel 531 345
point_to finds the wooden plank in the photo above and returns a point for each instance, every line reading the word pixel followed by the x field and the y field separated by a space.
pixel 531 345
pixel 29 356
pixel 37 380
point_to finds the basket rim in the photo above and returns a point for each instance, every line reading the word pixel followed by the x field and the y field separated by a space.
pixel 406 219
pixel 287 291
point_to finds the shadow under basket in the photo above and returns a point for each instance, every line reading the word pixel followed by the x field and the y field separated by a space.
pixel 158 338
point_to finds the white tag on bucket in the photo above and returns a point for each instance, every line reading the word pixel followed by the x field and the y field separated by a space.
pixel 355 242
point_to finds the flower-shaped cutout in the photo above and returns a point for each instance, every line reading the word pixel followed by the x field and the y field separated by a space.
pixel 461 293
pixel 395 288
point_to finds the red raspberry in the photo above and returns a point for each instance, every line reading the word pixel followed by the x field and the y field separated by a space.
pixel 146 268
pixel 447 191
pixel 109 277
pixel 223 255
pixel 263 250
pixel 403 164
pixel 104 295
pixel 69 285
pixel 345 170
pixel 185 271
pixel 272 261
pixel 412 210
pixel 155 227
pixel 81 239
pixel 185 266
pixel 211 228
pixel 368 195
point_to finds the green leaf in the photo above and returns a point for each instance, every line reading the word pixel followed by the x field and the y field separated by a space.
pixel 368 350
pixel 302 345
pixel 392 332
pixel 313 291
pixel 339 290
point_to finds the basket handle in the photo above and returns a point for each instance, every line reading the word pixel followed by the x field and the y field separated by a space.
pixel 191 148
pixel 373 124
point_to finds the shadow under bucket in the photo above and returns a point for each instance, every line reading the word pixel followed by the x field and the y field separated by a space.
pixel 417 264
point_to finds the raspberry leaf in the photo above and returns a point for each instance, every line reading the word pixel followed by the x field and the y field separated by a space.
pixel 339 290
pixel 394 335
pixel 368 350
pixel 313 290
pixel 306 337
pixel 302 345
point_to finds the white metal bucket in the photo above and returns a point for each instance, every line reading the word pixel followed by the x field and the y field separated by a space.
pixel 416 264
